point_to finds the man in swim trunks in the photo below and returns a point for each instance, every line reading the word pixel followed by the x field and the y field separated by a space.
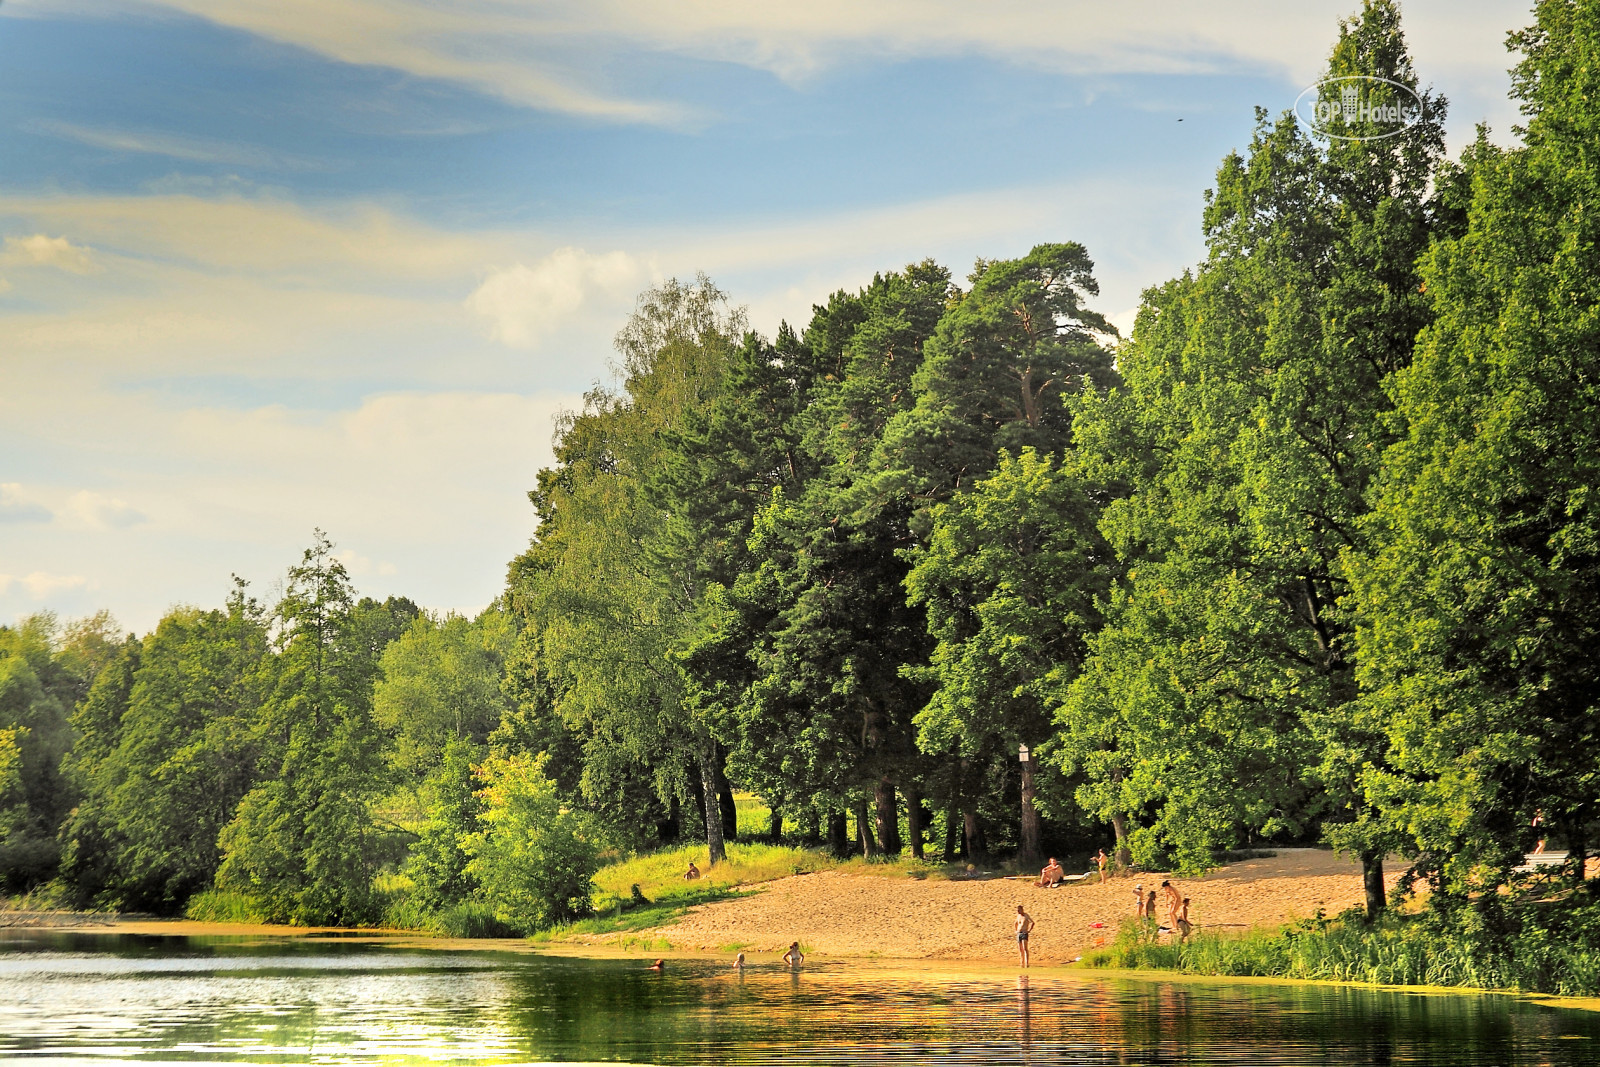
pixel 692 873
pixel 1183 925
pixel 1052 874
pixel 1024 928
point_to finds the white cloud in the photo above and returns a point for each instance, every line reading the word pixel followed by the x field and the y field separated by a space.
pixel 44 251
pixel 524 304
pixel 16 506
pixel 40 585
pixel 100 512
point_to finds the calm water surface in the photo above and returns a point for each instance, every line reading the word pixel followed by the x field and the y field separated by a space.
pixel 126 999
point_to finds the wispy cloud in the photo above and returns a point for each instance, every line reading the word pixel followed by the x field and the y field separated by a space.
pixel 188 149
pixel 42 250
pixel 553 54
pixel 41 584
pixel 15 506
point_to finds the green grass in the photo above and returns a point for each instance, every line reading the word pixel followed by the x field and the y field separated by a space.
pixel 1529 949
pixel 222 906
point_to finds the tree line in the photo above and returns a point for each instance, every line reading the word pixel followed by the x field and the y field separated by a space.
pixel 1311 556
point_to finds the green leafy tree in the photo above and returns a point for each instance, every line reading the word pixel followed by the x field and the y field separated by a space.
pixel 1221 698
pixel 1481 608
pixel 533 857
pixel 180 715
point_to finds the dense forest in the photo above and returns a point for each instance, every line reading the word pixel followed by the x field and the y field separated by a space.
pixel 1312 556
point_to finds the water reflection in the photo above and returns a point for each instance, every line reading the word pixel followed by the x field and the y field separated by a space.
pixel 121 999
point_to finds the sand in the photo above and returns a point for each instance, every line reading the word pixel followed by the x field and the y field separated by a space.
pixel 840 914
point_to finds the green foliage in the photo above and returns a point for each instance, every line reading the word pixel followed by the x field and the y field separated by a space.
pixel 440 682
pixel 438 862
pixel 533 858
pixel 1526 946
pixel 223 906
pixel 1481 608
pixel 302 842
pixel 166 752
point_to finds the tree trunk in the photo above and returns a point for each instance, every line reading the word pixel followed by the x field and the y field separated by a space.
pixel 886 818
pixel 670 829
pixel 864 838
pixel 972 831
pixel 1372 881
pixel 1028 854
pixel 708 790
pixel 811 827
pixel 916 819
pixel 952 834
pixel 1578 848
pixel 838 834
pixel 725 804
pixel 775 831
pixel 1122 854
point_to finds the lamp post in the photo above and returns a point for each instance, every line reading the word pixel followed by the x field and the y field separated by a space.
pixel 1028 853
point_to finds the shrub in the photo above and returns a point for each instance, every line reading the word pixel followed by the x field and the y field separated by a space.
pixel 533 859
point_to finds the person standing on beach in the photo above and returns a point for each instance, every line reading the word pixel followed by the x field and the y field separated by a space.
pixel 1102 861
pixel 1138 901
pixel 1174 900
pixel 1182 924
pixel 1024 928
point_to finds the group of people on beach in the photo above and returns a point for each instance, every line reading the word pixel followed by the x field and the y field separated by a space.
pixel 1177 906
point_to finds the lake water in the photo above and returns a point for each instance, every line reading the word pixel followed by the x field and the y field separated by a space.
pixel 127 999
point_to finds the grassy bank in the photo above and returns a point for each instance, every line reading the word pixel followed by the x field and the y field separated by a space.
pixel 1535 946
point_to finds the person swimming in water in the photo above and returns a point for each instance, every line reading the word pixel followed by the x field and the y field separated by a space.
pixel 738 962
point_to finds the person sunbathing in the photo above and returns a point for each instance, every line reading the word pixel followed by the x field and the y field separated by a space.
pixel 1052 874
pixel 692 873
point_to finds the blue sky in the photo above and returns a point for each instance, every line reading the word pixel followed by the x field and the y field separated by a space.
pixel 267 265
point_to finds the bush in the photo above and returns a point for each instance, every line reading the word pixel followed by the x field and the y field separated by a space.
pixel 534 860
pixel 1543 946
pixel 224 906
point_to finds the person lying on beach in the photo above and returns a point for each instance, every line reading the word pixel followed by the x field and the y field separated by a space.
pixel 794 957
pixel 692 873
pixel 1052 874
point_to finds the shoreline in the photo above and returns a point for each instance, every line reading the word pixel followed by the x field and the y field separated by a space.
pixel 950 968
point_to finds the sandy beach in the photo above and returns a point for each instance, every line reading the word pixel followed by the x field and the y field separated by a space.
pixel 840 914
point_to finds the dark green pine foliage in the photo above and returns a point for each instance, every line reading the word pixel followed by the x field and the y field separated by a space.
pixel 303 842
pixel 830 701
pixel 1481 610
pixel 995 373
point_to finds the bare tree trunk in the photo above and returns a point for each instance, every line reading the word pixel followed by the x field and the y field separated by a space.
pixel 775 826
pixel 886 817
pixel 1119 827
pixel 869 846
pixel 916 823
pixel 1028 855
pixel 725 804
pixel 1372 882
pixel 838 834
pixel 708 790
pixel 972 830
pixel 811 827
pixel 952 832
